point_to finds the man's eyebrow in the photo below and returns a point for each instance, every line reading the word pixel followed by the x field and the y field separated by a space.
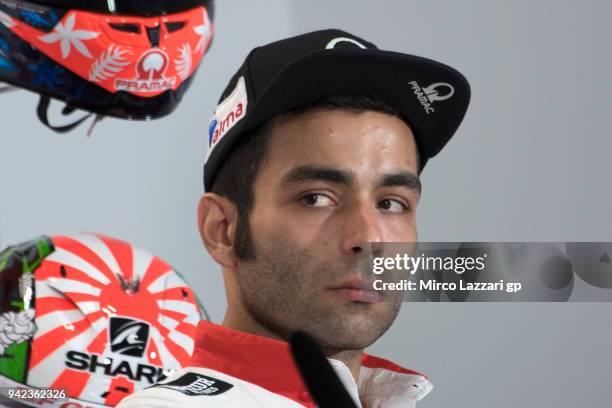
pixel 318 173
pixel 401 179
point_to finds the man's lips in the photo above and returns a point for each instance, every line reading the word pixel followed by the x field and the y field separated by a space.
pixel 357 289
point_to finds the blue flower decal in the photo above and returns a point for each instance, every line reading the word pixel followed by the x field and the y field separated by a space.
pixel 37 20
pixel 46 73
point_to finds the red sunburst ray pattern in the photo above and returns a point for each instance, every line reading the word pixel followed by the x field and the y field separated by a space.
pixel 156 269
pixel 178 316
pixel 175 294
pixel 85 253
pixel 72 381
pixel 122 251
pixel 177 351
pixel 71 273
pixel 80 297
pixel 187 329
pixel 76 381
pixel 52 340
pixel 98 344
pixel 47 305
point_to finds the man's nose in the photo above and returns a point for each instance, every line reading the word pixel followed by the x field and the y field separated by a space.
pixel 361 230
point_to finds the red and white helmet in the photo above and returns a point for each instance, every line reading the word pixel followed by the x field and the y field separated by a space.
pixel 130 59
pixel 92 315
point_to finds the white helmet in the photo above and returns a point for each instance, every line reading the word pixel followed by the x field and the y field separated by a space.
pixel 93 316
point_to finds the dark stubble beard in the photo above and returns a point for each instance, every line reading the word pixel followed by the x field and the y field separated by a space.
pixel 283 289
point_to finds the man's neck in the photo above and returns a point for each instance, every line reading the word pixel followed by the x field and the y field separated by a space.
pixel 351 358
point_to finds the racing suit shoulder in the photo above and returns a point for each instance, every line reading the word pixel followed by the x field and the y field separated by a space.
pixel 202 387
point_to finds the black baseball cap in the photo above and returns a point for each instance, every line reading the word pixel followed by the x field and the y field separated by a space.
pixel 430 96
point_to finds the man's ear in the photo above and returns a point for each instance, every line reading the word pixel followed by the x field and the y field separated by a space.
pixel 217 217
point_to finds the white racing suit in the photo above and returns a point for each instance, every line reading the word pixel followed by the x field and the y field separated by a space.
pixel 235 369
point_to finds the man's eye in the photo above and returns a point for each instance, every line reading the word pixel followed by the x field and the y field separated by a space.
pixel 392 205
pixel 316 200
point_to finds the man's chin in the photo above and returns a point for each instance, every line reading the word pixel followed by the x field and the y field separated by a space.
pixel 351 331
pixel 336 342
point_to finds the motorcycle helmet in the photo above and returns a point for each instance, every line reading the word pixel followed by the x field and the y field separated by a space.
pixel 92 316
pixel 131 59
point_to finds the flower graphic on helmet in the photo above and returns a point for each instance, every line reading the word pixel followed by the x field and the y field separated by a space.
pixel 204 31
pixel 68 37
pixel 15 328
pixel 46 73
pixel 109 63
pixel 183 63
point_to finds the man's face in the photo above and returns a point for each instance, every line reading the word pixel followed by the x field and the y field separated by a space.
pixel 334 182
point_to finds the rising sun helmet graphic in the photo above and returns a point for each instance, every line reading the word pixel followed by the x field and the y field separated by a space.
pixel 92 315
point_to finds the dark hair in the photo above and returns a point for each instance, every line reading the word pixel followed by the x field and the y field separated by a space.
pixel 236 176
